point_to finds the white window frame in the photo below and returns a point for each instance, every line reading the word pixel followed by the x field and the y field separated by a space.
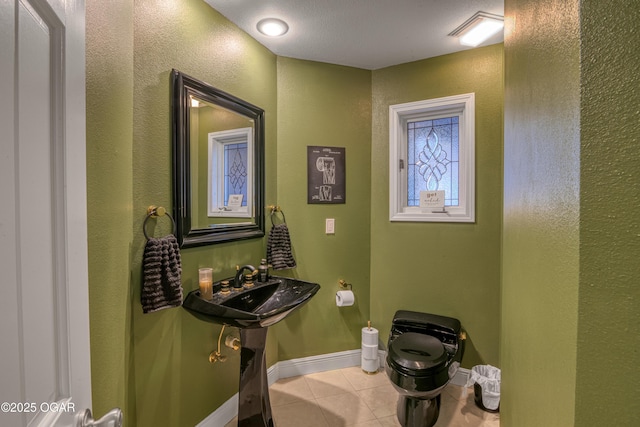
pixel 216 143
pixel 399 115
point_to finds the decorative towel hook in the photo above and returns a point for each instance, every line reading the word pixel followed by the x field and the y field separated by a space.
pixel 274 209
pixel 156 211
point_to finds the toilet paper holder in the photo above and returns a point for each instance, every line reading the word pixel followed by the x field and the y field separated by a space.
pixel 344 285
pixel 345 296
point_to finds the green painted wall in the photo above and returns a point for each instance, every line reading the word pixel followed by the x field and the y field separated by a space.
pixel 609 294
pixel 571 227
pixel 541 214
pixel 448 269
pixel 328 105
pixel 155 366
pixel 109 72
pixel 172 371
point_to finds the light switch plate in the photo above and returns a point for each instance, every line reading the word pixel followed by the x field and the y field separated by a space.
pixel 330 226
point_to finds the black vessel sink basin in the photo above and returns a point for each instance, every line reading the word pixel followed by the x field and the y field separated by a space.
pixel 257 307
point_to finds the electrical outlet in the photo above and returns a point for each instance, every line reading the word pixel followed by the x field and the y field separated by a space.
pixel 330 226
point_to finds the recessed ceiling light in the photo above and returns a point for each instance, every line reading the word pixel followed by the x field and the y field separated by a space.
pixel 478 28
pixel 272 27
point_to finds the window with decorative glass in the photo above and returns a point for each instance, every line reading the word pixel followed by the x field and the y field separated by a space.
pixel 432 152
pixel 230 178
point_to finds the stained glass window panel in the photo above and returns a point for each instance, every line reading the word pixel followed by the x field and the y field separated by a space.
pixel 235 171
pixel 432 159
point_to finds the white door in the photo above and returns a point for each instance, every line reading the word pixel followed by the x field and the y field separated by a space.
pixel 44 315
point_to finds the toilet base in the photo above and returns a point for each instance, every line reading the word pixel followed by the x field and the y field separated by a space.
pixel 414 412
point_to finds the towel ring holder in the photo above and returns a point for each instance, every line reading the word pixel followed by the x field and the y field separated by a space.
pixel 274 210
pixel 156 211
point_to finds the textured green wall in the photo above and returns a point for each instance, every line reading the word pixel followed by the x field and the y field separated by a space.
pixel 609 298
pixel 109 87
pixel 571 227
pixel 541 213
pixel 155 366
pixel 448 269
pixel 175 384
pixel 322 104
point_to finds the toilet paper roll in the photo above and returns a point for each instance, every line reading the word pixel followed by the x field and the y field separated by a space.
pixel 345 298
pixel 369 351
pixel 369 336
pixel 370 365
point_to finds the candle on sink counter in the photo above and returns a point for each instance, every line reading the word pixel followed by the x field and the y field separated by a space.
pixel 205 280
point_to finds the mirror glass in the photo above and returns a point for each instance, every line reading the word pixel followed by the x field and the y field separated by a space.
pixel 218 164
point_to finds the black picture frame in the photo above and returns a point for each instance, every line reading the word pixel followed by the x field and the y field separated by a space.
pixel 326 175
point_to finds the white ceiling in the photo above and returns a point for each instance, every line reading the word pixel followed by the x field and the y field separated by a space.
pixel 368 34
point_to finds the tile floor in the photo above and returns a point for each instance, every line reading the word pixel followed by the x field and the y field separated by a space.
pixel 349 397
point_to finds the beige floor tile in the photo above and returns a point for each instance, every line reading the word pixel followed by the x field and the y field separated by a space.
pixel 297 414
pixel 492 419
pixel 450 399
pixel 329 383
pixel 360 380
pixel 345 409
pixel 382 400
pixel 457 392
pixel 470 401
pixel 372 423
pixel 491 423
pixel 289 390
pixel 344 398
pixel 391 421
pixel 462 413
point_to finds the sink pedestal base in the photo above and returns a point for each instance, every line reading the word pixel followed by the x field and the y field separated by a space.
pixel 254 407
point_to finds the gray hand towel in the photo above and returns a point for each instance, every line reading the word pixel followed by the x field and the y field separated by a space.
pixel 162 268
pixel 279 248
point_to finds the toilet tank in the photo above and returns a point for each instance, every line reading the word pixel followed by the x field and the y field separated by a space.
pixel 446 329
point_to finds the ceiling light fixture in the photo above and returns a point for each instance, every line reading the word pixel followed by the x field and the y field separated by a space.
pixel 272 27
pixel 478 28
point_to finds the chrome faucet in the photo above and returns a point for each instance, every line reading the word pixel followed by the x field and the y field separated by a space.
pixel 239 280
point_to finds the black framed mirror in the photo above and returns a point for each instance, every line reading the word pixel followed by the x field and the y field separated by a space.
pixel 218 164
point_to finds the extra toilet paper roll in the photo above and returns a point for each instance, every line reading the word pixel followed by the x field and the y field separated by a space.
pixel 370 365
pixel 345 298
pixel 369 351
pixel 370 361
pixel 370 336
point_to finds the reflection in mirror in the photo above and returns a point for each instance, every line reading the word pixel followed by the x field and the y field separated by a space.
pixel 218 164
pixel 221 165
pixel 229 178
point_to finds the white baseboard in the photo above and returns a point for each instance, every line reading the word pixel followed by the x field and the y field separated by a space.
pixel 221 416
pixel 320 363
pixel 304 366
pixel 460 378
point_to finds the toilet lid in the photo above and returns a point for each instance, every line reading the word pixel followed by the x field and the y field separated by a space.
pixel 417 354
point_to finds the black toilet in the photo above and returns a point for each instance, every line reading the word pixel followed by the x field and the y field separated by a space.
pixel 424 353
